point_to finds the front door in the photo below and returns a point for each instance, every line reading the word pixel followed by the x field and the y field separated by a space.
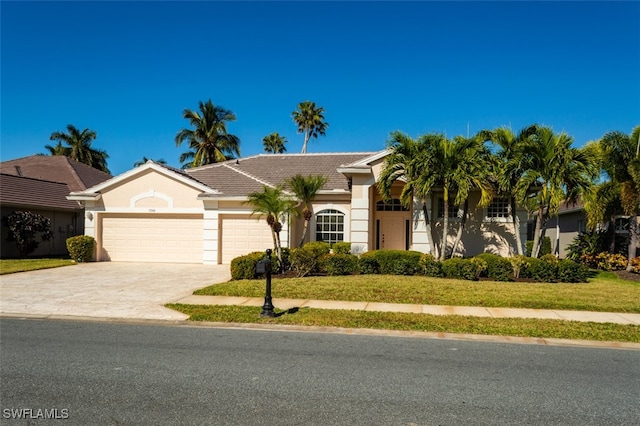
pixel 392 233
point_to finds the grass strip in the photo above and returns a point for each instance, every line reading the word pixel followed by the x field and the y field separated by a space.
pixel 603 293
pixel 10 266
pixel 520 327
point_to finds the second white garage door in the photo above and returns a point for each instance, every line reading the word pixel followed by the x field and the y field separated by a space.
pixel 152 238
pixel 242 235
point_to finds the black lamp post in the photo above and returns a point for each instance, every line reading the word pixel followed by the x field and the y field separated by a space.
pixel 265 266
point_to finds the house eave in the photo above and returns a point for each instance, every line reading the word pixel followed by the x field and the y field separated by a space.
pixel 80 196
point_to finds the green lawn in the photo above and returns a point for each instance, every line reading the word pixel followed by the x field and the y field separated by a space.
pixel 604 293
pixel 10 266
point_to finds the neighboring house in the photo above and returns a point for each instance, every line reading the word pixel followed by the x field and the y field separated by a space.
pixel 41 184
pixel 155 213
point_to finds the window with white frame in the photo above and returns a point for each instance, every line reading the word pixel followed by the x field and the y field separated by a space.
pixel 499 208
pixel 393 205
pixel 330 226
pixel 453 209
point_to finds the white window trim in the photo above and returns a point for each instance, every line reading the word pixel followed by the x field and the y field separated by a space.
pixel 347 220
pixel 507 219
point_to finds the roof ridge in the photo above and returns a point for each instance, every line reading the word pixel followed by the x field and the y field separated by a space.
pixel 250 176
pixel 32 178
pixel 74 172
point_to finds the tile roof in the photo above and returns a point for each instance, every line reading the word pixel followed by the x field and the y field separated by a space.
pixel 56 168
pixel 245 175
pixel 26 192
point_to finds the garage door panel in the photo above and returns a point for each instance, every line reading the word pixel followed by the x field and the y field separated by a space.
pixel 243 235
pixel 168 238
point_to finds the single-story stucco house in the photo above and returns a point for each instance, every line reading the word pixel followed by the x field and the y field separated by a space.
pixel 156 213
pixel 41 184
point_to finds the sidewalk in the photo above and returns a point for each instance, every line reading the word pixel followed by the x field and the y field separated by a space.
pixel 284 304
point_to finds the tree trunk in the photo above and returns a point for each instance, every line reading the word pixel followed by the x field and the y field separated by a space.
pixel 463 221
pixel 633 241
pixel 515 220
pixel 535 249
pixel 279 252
pixel 611 234
pixel 427 221
pixel 306 140
pixel 445 226
pixel 304 232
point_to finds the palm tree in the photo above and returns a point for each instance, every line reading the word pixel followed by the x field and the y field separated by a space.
pixel 620 161
pixel 274 143
pixel 276 206
pixel 553 172
pixel 310 121
pixel 406 162
pixel 145 159
pixel 305 189
pixel 209 141
pixel 508 167
pixel 79 147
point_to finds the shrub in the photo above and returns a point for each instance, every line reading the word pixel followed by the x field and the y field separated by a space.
pixel 340 264
pixel 244 267
pixel 342 248
pixel 317 248
pixel 611 262
pixel 498 267
pixel 549 258
pixel 430 266
pixel 460 268
pixel 304 261
pixel 586 243
pixel 544 249
pixel 368 263
pixel 24 228
pixel 572 272
pixel 398 262
pixel 635 265
pixel 481 266
pixel 81 247
pixel 518 264
pixel 539 270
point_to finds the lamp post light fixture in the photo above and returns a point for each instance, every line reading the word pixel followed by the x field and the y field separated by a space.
pixel 264 267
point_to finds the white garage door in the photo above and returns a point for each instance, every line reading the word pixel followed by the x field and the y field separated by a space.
pixel 151 238
pixel 242 235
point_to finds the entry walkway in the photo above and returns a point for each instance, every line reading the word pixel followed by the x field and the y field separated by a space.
pixel 284 304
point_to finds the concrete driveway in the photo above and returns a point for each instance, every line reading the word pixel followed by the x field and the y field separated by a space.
pixel 106 289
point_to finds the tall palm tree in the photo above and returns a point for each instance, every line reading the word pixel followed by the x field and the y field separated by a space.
pixel 208 141
pixel 79 147
pixel 508 167
pixel 305 188
pixel 407 161
pixel 274 143
pixel 310 121
pixel 554 172
pixel 276 206
pixel 145 159
pixel 620 161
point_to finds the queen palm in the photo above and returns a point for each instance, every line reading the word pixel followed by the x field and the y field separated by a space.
pixel 79 147
pixel 274 143
pixel 305 189
pixel 553 172
pixel 508 167
pixel 620 161
pixel 273 203
pixel 208 141
pixel 310 121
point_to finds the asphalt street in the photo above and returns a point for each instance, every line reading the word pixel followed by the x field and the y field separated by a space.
pixel 103 373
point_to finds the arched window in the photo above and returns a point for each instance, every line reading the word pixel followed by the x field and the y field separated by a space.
pixel 330 226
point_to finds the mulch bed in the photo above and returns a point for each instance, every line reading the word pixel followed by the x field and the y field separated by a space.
pixel 625 275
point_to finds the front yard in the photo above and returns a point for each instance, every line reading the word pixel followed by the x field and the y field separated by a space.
pixel 10 266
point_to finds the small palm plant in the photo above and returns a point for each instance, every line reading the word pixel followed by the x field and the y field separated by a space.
pixel 305 189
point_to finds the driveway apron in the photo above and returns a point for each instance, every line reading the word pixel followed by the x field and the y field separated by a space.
pixel 106 289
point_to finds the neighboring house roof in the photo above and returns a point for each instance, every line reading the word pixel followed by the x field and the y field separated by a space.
pixel 245 175
pixel 26 192
pixel 55 168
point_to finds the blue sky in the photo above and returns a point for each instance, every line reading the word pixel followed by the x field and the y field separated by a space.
pixel 128 69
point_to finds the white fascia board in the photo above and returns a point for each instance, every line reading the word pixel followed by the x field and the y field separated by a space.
pixel 83 196
pixel 162 170
pixel 371 159
pixel 354 170
pixel 221 197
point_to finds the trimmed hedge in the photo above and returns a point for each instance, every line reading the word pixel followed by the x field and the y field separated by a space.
pixel 303 261
pixel 340 264
pixel 430 266
pixel 498 268
pixel 317 248
pixel 368 263
pixel 460 268
pixel 572 272
pixel 539 270
pixel 342 248
pixel 398 262
pixel 244 267
pixel 81 248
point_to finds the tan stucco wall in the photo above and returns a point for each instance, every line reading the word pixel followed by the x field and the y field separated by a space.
pixel 151 190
